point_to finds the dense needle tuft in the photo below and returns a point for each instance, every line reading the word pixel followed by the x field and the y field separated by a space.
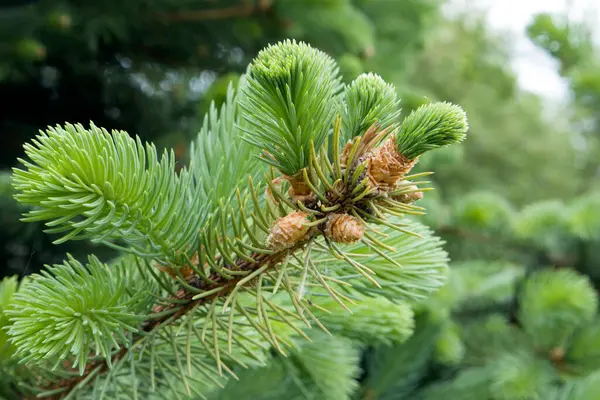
pixel 368 100
pixel 290 102
pixel 431 126
pixel 73 310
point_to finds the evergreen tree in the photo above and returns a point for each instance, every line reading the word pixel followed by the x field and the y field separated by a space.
pixel 293 211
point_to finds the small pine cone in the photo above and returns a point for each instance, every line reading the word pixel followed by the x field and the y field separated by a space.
pixel 289 230
pixel 387 166
pixel 344 228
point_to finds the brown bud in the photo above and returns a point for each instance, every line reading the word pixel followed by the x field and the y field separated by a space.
pixel 387 166
pixel 367 142
pixel 412 194
pixel 299 190
pixel 411 197
pixel 346 153
pixel 344 228
pixel 289 230
pixel 186 271
pixel 557 354
pixel 369 52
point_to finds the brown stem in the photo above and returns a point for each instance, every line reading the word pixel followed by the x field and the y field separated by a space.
pixel 243 10
pixel 241 265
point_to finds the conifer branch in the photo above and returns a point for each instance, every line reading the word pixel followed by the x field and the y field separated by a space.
pixel 319 223
pixel 335 226
pixel 179 310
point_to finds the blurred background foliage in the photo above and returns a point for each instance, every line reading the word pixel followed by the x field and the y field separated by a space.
pixel 520 198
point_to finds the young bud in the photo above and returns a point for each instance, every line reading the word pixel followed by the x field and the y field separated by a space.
pixel 344 228
pixel 289 103
pixel 557 354
pixel 289 230
pixel 411 193
pixel 370 100
pixel 387 166
pixel 299 190
pixel 185 271
pixel 429 127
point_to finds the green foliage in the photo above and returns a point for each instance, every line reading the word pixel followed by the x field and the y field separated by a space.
pixel 524 331
pixel 587 388
pixel 418 267
pixel 8 287
pixel 373 320
pixel 30 50
pixel 395 371
pixel 490 338
pixel 520 377
pixel 544 224
pixel 511 377
pixel 257 383
pixel 461 61
pixel 219 160
pixel 368 100
pixel 582 352
pixel 584 218
pixel 540 219
pixel 71 310
pixel 93 184
pixel 429 127
pixel 332 365
pixel 222 267
pixel 468 384
pixel 449 348
pixel 327 367
pixel 569 43
pixel 289 103
pixel 350 67
pixel 480 283
pixel 467 62
pixel 484 210
pixel 554 304
pixel 476 285
pixel 316 20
